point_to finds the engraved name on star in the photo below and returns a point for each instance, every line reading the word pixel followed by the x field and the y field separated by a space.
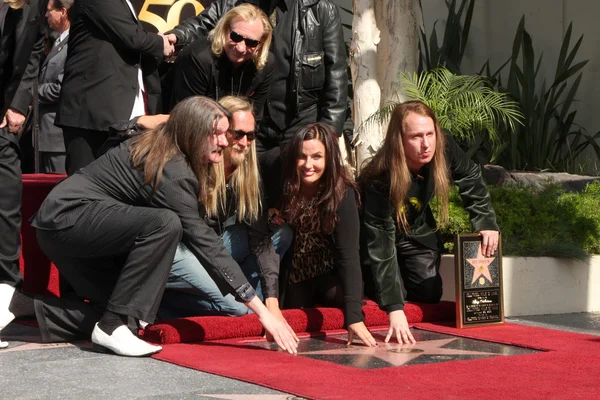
pixel 481 266
pixel 398 354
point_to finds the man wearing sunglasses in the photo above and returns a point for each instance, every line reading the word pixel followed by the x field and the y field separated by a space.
pixel 310 79
pixel 232 60
pixel 243 227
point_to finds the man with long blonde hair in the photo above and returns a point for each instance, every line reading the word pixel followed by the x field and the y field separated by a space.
pixel 232 60
pixel 236 214
pixel 400 241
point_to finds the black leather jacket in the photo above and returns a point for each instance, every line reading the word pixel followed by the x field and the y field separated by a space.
pixel 379 229
pixel 319 58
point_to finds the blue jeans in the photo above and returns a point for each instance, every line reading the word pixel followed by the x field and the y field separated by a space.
pixel 192 291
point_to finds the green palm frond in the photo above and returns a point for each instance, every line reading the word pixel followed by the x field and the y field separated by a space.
pixel 465 105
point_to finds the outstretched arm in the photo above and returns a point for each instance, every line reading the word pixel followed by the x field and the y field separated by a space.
pixel 114 20
pixel 347 262
pixel 281 332
pixel 378 247
pixel 200 25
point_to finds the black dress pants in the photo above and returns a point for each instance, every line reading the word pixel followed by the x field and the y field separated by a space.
pixel 117 257
pixel 323 290
pixel 81 146
pixel 420 271
pixel 11 190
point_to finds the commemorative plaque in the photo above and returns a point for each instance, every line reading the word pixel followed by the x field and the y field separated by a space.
pixel 479 299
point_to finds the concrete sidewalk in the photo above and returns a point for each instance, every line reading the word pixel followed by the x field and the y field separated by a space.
pixel 71 371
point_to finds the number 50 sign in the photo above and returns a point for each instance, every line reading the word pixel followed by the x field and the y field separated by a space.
pixel 173 14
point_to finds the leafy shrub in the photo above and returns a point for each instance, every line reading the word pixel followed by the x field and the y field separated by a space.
pixel 536 223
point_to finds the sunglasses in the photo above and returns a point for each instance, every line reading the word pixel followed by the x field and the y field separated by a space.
pixel 238 135
pixel 236 38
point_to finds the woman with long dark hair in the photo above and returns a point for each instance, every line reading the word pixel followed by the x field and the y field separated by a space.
pixel 113 227
pixel 320 202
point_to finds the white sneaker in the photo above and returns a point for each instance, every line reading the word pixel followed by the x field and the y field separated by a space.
pixel 6 317
pixel 122 342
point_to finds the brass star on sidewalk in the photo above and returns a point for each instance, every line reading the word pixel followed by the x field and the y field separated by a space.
pixel 398 354
pixel 481 266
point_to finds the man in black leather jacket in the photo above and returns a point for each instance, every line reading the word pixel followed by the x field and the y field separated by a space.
pixel 310 82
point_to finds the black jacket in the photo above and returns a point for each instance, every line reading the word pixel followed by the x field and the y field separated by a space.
pixel 344 244
pixel 319 57
pixel 50 83
pixel 21 51
pixel 379 230
pixel 112 178
pixel 100 83
pixel 198 72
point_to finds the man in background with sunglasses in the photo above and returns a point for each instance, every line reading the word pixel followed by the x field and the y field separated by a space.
pixel 243 227
pixel 310 80
pixel 233 60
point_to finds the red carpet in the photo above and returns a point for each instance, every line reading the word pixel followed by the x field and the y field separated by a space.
pixel 197 329
pixel 39 275
pixel 568 370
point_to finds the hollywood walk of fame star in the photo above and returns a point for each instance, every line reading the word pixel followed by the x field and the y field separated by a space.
pixel 481 266
pixel 398 354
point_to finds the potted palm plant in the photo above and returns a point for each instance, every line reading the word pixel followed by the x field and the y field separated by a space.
pixel 467 106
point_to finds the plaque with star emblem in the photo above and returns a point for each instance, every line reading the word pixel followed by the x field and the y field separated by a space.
pixel 479 299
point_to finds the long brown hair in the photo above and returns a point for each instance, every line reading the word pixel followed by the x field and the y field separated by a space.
pixel 186 134
pixel 391 159
pixel 333 182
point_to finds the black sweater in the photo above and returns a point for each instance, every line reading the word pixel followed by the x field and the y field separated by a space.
pixel 344 243
pixel 198 72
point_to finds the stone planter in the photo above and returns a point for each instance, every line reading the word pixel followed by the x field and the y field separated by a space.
pixel 541 285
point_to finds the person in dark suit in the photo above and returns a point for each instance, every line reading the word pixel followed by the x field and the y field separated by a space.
pixel 51 143
pixel 21 48
pixel 111 74
pixel 113 227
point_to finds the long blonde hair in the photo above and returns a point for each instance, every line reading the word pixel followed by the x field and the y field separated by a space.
pixel 390 158
pixel 245 179
pixel 246 12
pixel 186 134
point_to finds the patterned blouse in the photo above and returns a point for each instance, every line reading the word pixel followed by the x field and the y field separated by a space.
pixel 312 250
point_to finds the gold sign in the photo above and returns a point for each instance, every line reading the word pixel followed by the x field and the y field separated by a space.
pixel 173 15
pixel 479 289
